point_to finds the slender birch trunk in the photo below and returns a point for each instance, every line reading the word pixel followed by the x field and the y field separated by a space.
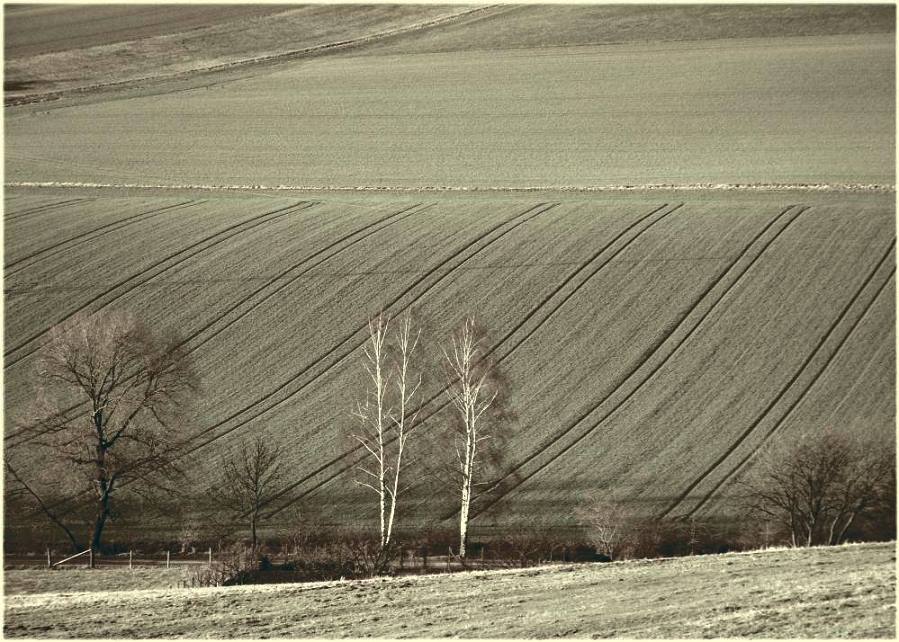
pixel 470 398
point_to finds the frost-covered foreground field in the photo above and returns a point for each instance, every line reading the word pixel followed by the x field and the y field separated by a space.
pixel 846 591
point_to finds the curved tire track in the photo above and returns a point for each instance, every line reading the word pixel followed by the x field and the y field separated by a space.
pixel 519 219
pixel 650 352
pixel 390 219
pixel 271 281
pixel 582 267
pixel 79 239
pixel 780 395
pixel 41 208
pixel 128 284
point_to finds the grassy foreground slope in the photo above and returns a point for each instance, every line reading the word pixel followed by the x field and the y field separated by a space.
pixel 652 343
pixel 842 592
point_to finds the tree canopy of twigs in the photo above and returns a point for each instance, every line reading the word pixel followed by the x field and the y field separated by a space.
pixel 386 417
pixel 814 487
pixel 251 478
pixel 129 386
pixel 471 391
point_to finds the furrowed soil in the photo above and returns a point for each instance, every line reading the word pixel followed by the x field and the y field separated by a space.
pixel 264 198
pixel 653 343
pixel 841 592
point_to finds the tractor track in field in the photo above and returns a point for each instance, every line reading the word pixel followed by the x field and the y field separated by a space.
pixel 500 491
pixel 12 216
pixel 581 267
pixel 390 219
pixel 786 388
pixel 519 219
pixel 268 283
pixel 88 236
pixel 134 281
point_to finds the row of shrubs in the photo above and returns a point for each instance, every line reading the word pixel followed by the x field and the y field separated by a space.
pixel 322 555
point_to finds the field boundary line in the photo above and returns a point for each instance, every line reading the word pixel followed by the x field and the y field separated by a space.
pixel 583 265
pixel 401 214
pixel 12 216
pixel 184 254
pixel 786 388
pixel 623 187
pixel 520 218
pixel 650 353
pixel 103 229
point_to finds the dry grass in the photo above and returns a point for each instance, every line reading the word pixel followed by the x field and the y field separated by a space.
pixel 842 592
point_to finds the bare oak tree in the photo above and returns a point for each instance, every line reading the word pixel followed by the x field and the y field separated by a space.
pixel 816 486
pixel 386 416
pixel 468 389
pixel 131 385
pixel 251 478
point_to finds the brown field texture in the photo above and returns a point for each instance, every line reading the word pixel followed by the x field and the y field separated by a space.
pixel 654 340
pixel 840 592
pixel 653 344
pixel 441 106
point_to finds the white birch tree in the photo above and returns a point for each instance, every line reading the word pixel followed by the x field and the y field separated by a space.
pixel 385 416
pixel 470 396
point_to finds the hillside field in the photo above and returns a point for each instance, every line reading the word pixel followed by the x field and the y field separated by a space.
pixel 653 343
pixel 840 592
pixel 677 225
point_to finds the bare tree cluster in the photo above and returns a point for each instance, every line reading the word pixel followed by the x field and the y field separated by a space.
pixel 816 486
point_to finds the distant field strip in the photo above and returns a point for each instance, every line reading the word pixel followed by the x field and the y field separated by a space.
pixel 126 285
pixel 284 56
pixel 687 187
pixel 86 237
pixel 683 329
pixel 438 394
pixel 835 330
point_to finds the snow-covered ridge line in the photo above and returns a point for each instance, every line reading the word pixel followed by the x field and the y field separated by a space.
pixel 809 187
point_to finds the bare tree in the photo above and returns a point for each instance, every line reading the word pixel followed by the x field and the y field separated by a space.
pixel 815 486
pixel 131 385
pixel 609 525
pixel 470 392
pixel 251 478
pixel 386 417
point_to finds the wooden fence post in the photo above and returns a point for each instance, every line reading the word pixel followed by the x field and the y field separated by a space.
pixel 49 563
pixel 166 559
pixel 130 558
pixel 210 557
pixel 449 554
pixel 90 563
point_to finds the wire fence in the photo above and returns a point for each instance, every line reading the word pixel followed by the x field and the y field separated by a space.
pixel 89 559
